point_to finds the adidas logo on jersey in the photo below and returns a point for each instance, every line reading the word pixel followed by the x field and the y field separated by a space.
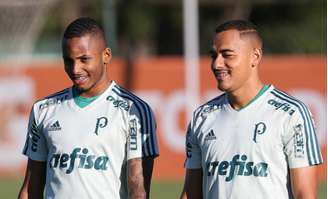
pixel 210 136
pixel 55 127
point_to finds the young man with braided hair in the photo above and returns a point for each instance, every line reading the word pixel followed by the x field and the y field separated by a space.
pixel 94 139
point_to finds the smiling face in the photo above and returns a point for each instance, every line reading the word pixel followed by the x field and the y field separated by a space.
pixel 234 60
pixel 85 60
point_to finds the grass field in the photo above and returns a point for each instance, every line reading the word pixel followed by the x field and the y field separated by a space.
pixel 160 190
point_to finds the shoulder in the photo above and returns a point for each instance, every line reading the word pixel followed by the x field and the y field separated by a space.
pixel 130 98
pixel 52 100
pixel 135 107
pixel 284 102
pixel 210 106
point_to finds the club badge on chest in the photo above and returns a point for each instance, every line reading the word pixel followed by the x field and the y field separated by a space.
pixel 101 123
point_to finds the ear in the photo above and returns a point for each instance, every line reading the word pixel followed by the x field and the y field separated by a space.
pixel 107 55
pixel 256 56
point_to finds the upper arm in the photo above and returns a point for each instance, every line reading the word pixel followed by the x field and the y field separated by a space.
pixel 303 152
pixel 193 179
pixel 139 177
pixel 142 148
pixel 142 139
pixel 193 184
pixel 301 146
pixel 193 151
pixel 304 182
pixel 35 145
pixel 34 180
pixel 36 150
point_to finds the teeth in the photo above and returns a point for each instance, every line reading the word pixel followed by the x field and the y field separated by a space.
pixel 221 74
pixel 79 79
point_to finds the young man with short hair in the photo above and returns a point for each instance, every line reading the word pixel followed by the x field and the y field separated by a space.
pixel 253 141
pixel 94 139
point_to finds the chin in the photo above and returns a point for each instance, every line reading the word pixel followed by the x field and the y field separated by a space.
pixel 81 88
pixel 223 87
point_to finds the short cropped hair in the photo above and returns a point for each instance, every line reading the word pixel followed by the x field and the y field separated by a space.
pixel 83 26
pixel 243 26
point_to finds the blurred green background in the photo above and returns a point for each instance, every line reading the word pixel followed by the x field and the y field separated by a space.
pixel 155 27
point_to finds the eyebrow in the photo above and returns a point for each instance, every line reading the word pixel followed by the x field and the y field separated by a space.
pixel 226 50
pixel 214 51
pixel 83 56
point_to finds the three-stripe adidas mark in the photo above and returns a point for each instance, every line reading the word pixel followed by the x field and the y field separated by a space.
pixel 55 127
pixel 210 135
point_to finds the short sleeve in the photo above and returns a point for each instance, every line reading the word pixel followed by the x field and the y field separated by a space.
pixel 35 145
pixel 193 152
pixel 300 143
pixel 142 140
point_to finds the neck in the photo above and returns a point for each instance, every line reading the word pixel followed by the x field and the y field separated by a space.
pixel 239 98
pixel 96 90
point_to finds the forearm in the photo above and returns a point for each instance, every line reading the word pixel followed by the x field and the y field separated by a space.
pixel 183 194
pixel 192 188
pixel 25 194
pixel 304 182
pixel 135 180
pixel 305 196
pixel 22 194
pixel 307 193
pixel 136 189
pixel 34 181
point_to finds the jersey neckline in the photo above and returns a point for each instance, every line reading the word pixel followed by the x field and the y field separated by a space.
pixel 253 101
pixel 80 100
pixel 91 102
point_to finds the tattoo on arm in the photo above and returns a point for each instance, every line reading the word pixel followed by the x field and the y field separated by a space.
pixel 139 177
pixel 135 179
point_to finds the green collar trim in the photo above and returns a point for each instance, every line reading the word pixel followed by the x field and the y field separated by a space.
pixel 259 94
pixel 81 101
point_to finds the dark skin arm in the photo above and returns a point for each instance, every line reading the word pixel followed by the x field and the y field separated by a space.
pixel 139 177
pixel 193 184
pixel 304 182
pixel 34 181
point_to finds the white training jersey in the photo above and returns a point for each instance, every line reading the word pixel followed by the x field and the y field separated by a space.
pixel 247 153
pixel 86 149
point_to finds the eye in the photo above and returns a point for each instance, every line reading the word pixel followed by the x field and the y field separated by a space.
pixel 84 59
pixel 227 55
pixel 213 54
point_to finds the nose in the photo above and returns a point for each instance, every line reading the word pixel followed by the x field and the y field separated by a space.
pixel 218 62
pixel 76 67
pixel 73 67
